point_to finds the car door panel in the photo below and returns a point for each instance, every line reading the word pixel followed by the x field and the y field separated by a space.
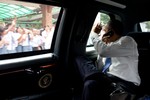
pixel 31 77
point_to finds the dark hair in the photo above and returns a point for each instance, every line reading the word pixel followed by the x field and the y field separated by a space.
pixel 116 26
pixel 112 16
pixel 8 25
pixel 2 29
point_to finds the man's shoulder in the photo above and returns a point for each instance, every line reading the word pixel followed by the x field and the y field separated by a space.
pixel 129 38
pixel 126 39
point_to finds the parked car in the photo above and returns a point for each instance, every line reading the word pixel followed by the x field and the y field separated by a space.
pixel 49 72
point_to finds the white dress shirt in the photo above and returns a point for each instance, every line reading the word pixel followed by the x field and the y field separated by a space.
pixel 124 57
pixel 9 37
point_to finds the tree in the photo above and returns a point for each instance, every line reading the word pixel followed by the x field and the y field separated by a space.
pixel 148 25
pixel 104 18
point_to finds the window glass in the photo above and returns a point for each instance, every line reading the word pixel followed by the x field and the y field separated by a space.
pixel 145 26
pixel 26 27
pixel 100 18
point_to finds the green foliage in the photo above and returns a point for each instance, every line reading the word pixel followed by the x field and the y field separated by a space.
pixel 2 23
pixel 148 25
pixel 104 18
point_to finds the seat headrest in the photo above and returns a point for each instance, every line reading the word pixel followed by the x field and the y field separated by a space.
pixel 142 39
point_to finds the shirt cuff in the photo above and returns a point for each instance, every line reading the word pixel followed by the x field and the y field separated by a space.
pixel 94 36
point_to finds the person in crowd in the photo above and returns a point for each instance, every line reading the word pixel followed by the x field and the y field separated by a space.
pixel 4 33
pixel 18 38
pixel 9 37
pixel 47 35
pixel 25 40
pixel 37 40
pixel 2 41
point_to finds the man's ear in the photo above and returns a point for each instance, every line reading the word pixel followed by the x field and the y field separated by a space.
pixel 109 33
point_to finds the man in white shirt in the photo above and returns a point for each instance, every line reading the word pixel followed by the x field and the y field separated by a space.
pixel 122 51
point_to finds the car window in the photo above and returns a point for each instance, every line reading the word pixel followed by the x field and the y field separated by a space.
pixel 100 18
pixel 26 27
pixel 145 26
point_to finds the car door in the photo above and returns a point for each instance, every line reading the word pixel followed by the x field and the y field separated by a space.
pixel 38 73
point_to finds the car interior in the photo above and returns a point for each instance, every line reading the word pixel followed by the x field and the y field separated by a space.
pixel 50 73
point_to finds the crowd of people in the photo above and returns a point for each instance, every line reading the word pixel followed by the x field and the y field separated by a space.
pixel 15 39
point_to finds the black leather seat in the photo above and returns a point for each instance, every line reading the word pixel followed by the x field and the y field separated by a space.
pixel 143 41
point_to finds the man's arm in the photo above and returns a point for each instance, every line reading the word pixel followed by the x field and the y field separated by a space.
pixel 122 47
pixel 10 27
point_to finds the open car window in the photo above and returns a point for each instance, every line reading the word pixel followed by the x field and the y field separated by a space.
pixel 100 18
pixel 145 26
pixel 26 27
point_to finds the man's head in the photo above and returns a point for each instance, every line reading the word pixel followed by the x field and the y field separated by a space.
pixel 116 26
pixel 112 31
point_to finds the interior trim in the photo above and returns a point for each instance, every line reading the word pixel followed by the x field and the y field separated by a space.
pixel 22 59
pixel 11 72
pixel 112 3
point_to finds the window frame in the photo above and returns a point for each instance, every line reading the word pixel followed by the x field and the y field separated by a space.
pixel 21 55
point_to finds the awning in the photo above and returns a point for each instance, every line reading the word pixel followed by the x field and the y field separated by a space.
pixel 8 11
